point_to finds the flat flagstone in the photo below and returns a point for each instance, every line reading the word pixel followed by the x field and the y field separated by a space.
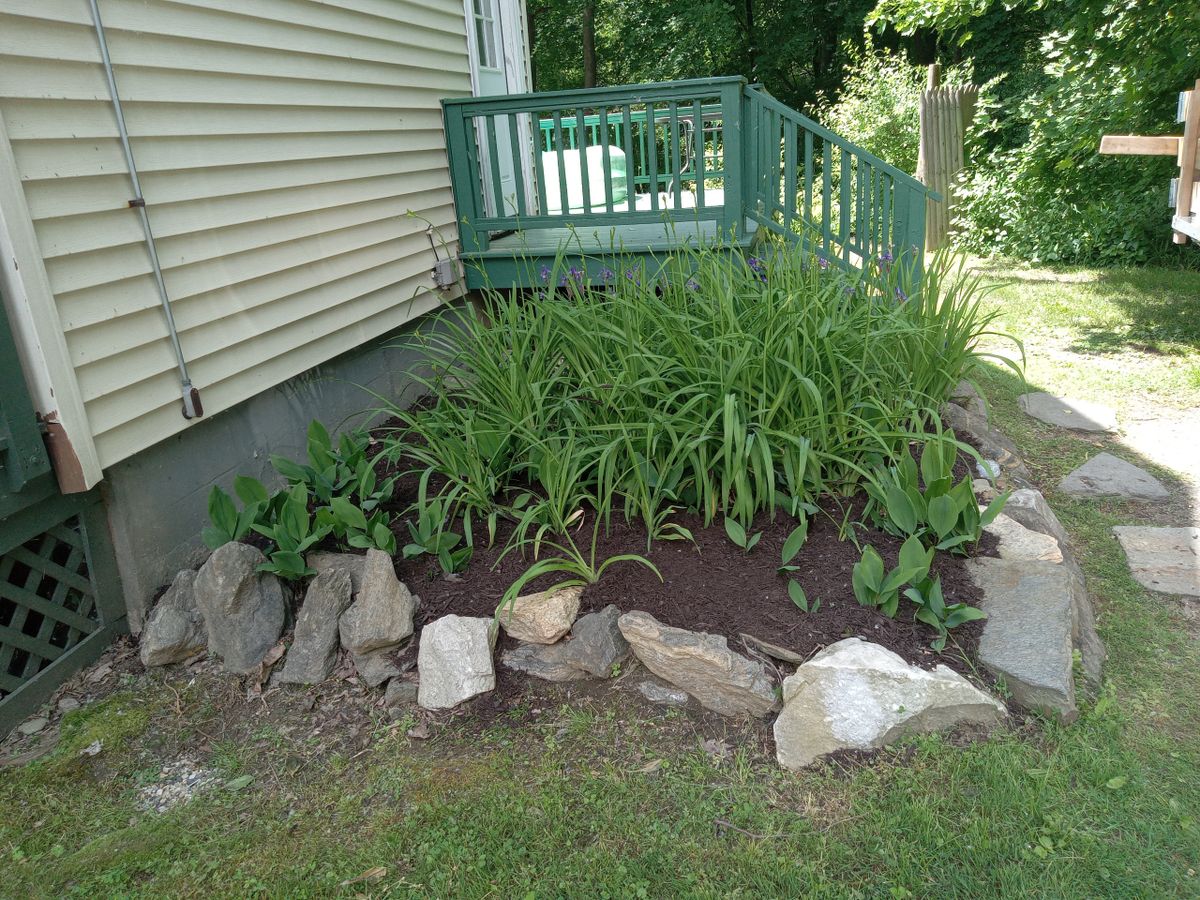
pixel 1105 475
pixel 1067 412
pixel 1163 559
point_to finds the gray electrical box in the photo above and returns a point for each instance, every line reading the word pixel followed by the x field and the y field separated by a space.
pixel 445 273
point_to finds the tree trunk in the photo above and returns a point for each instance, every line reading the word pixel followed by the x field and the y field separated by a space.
pixel 589 44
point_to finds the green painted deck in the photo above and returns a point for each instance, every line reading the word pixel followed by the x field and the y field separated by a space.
pixel 513 260
pixel 574 178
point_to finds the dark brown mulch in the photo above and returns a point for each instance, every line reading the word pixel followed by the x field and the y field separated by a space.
pixel 714 586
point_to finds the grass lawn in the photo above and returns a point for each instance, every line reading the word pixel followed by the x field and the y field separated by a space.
pixel 613 800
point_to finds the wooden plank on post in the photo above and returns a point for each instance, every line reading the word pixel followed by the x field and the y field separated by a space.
pixel 1139 145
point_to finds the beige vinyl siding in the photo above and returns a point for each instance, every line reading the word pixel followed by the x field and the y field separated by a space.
pixel 281 145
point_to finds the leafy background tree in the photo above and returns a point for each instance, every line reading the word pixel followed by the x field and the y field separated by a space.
pixel 1059 74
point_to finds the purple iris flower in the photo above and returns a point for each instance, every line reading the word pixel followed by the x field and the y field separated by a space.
pixel 607 275
pixel 900 295
pixel 823 263
pixel 632 275
pixel 693 284
pixel 545 273
pixel 757 267
pixel 886 256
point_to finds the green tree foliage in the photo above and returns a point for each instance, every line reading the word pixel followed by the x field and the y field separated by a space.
pixel 794 47
pixel 1040 190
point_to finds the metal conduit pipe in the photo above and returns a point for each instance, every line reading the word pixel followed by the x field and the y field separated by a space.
pixel 191 396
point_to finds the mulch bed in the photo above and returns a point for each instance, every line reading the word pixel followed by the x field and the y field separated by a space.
pixel 713 586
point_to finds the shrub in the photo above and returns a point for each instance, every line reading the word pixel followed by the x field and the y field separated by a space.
pixel 879 105
pixel 724 385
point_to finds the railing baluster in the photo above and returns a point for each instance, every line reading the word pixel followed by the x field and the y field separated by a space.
pixel 630 166
pixel 675 156
pixel 789 174
pixel 698 148
pixel 494 163
pixel 808 178
pixel 826 198
pixel 844 203
pixel 564 205
pixel 581 149
pixel 539 173
pixel 651 142
pixel 514 144
pixel 606 160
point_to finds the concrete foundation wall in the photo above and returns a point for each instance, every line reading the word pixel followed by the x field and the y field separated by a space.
pixel 157 500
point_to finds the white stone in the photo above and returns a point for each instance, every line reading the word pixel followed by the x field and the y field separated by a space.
pixel 1029 507
pixel 454 661
pixel 1019 542
pixel 1105 475
pixel 855 695
pixel 1067 412
pixel 1166 560
pixel 541 618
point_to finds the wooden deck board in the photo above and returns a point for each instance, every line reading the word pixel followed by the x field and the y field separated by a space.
pixel 589 240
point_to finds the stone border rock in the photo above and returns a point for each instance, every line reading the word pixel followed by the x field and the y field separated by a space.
pixel 851 695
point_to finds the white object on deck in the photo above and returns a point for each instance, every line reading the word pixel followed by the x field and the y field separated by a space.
pixel 574 178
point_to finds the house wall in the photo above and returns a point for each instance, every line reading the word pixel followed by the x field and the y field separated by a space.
pixel 282 145
pixel 157 500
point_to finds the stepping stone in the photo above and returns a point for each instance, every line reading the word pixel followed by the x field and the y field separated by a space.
pixel 1105 475
pixel 1166 560
pixel 1065 412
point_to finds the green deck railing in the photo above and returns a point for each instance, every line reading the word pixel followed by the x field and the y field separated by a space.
pixel 617 156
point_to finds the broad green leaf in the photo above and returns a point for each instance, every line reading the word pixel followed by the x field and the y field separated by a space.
pixel 943 515
pixel 964 614
pixel 795 541
pixel 735 531
pixel 900 510
pixel 988 516
pixel 754 539
pixel 797 595
pixel 914 557
pixel 221 511
pixel 872 568
pixel 250 490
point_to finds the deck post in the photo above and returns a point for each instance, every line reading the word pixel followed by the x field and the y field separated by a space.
pixel 462 179
pixel 733 152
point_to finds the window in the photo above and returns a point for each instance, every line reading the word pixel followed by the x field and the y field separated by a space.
pixel 485 33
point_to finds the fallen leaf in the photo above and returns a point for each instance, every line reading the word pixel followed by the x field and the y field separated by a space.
pixel 92 749
pixel 1115 784
pixel 237 784
pixel 653 766
pixel 420 731
pixel 99 673
pixel 375 873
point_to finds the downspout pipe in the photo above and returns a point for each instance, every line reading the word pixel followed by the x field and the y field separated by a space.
pixel 192 407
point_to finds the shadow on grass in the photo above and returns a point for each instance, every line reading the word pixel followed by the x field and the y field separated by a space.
pixel 1148 310
pixel 1051 453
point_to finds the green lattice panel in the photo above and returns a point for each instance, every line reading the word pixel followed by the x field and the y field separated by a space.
pixel 47 602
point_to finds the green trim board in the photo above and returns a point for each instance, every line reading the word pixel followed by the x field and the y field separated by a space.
pixel 516 260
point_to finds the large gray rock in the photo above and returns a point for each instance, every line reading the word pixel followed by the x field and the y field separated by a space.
pixel 1066 412
pixel 1015 541
pixel 375 668
pixel 313 654
pixel 541 618
pixel 1163 559
pixel 1105 475
pixel 596 643
pixel 324 561
pixel 454 661
pixel 382 614
pixel 701 664
pixel 965 395
pixel 855 695
pixel 1038 613
pixel 550 662
pixel 662 694
pixel 594 647
pixel 243 609
pixel 1029 507
pixel 175 630
pixel 992 444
